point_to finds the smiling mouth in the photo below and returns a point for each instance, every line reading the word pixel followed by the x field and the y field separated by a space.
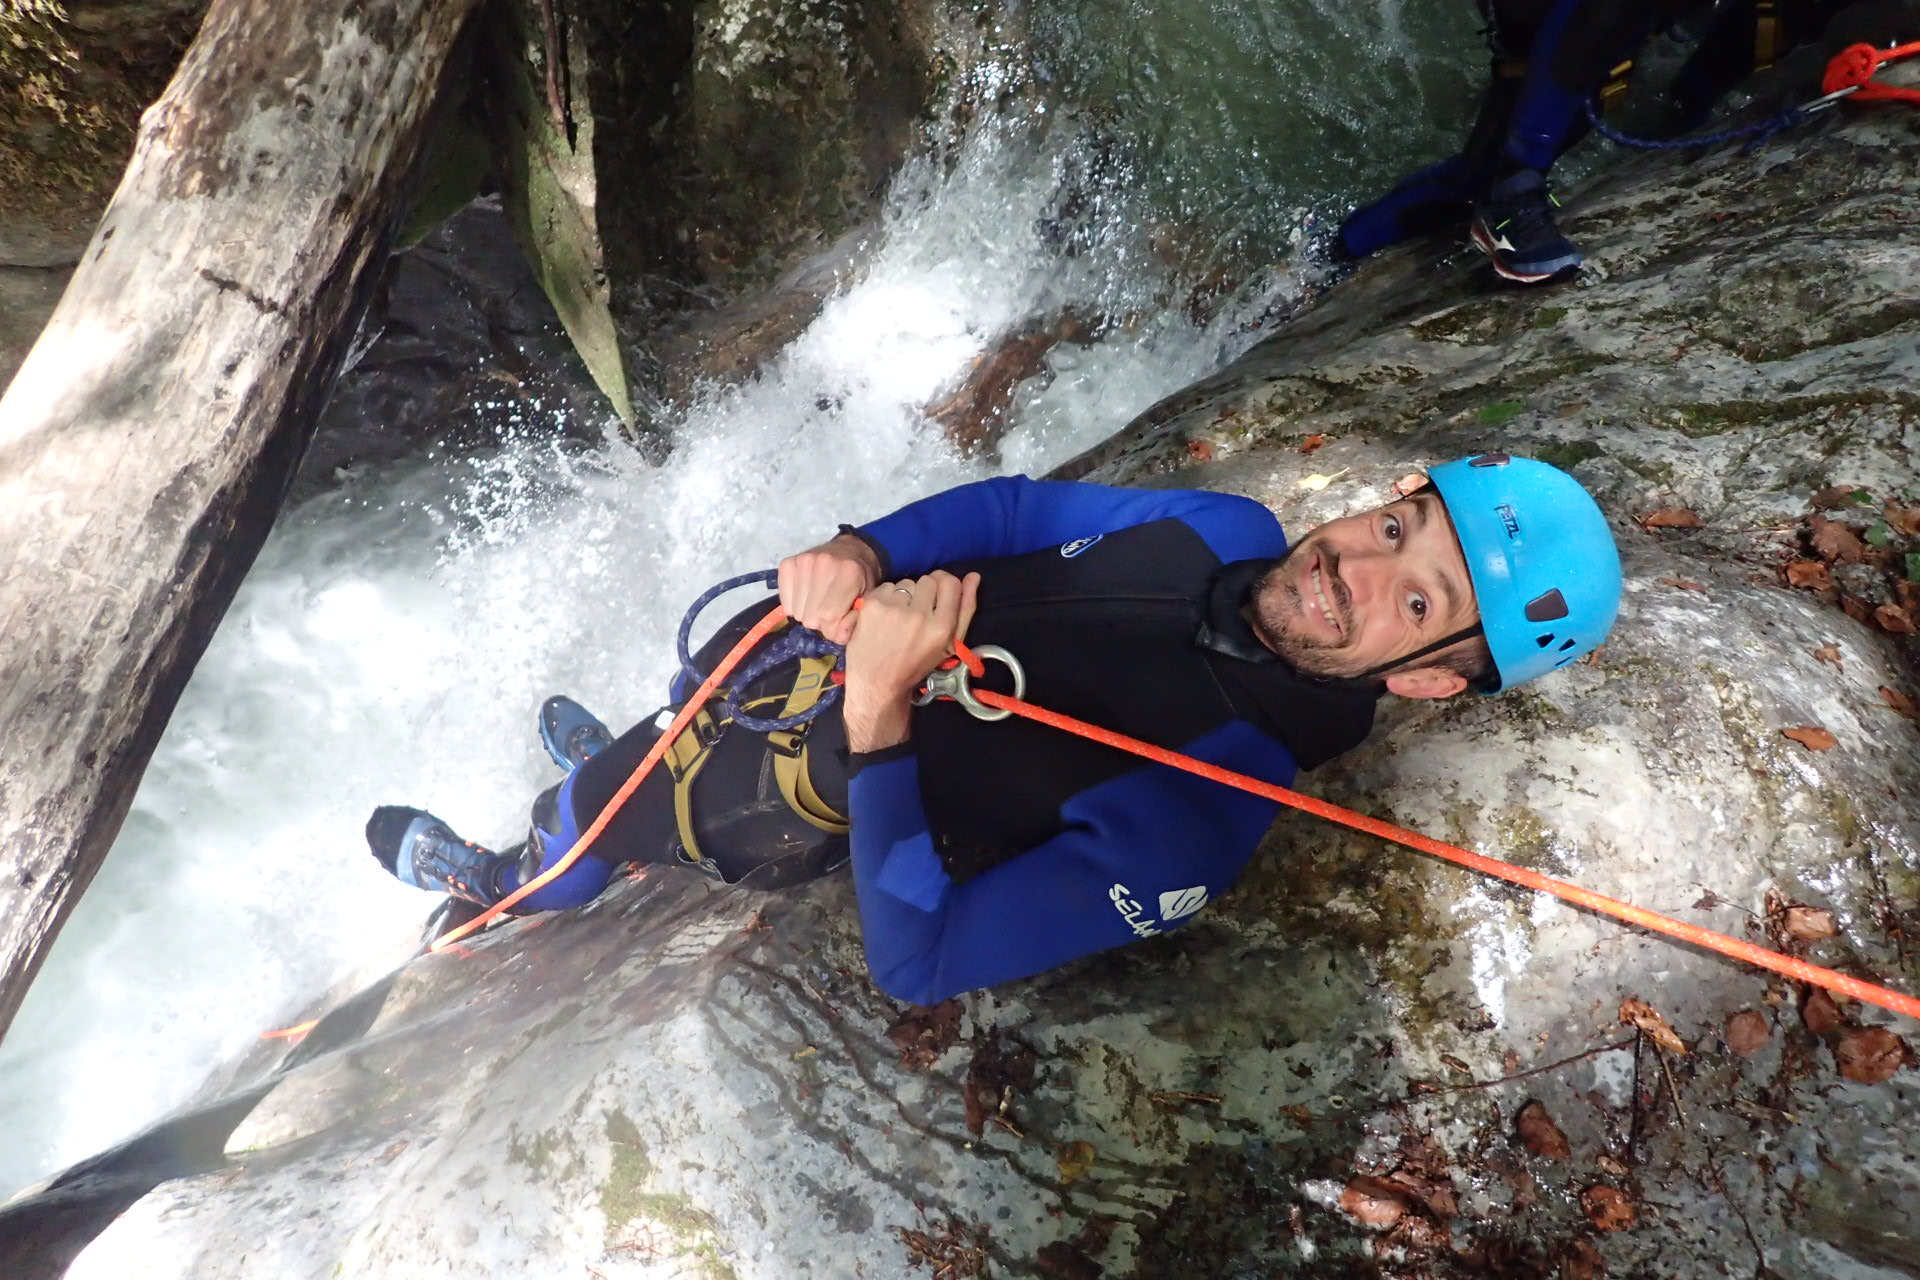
pixel 1319 599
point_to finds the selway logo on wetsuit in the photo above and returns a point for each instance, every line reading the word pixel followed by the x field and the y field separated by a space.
pixel 1174 905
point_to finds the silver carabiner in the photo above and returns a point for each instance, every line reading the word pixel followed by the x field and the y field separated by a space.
pixel 1828 100
pixel 956 682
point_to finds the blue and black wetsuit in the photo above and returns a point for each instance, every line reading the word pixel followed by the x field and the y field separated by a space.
pixel 984 852
pixel 1549 58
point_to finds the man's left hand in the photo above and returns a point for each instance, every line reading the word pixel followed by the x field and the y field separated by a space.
pixel 904 630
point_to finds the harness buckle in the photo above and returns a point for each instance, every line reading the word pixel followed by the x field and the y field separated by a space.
pixel 955 682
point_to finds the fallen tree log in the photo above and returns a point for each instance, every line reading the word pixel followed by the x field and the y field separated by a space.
pixel 147 440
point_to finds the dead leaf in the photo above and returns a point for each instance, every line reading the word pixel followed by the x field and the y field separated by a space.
pixel 1855 608
pixel 1900 702
pixel 1076 1161
pixel 1868 1055
pixel 1672 518
pixel 1638 1013
pixel 1906 594
pixel 1200 450
pixel 1809 924
pixel 1747 1031
pixel 1436 1193
pixel 1905 519
pixel 1373 1202
pixel 1612 1166
pixel 1706 901
pixel 1812 737
pixel 1834 496
pixel 1811 574
pixel 1539 1134
pixel 1819 1014
pixel 1608 1208
pixel 1581 1261
pixel 1313 442
pixel 1894 620
pixel 1834 541
pixel 1829 653
pixel 1684 584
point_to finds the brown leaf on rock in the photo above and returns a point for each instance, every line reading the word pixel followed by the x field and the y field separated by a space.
pixel 923 1034
pixel 1906 594
pixel 1833 541
pixel 1828 653
pixel 1374 1202
pixel 1809 924
pixel 1685 584
pixel 1579 1260
pixel 1612 1166
pixel 1855 608
pixel 1539 1134
pixel 1900 702
pixel 1820 1014
pixel 1200 450
pixel 1894 620
pixel 1075 1160
pixel 1638 1013
pixel 1672 518
pixel 1811 574
pixel 1313 442
pixel 1905 519
pixel 1608 1208
pixel 1868 1055
pixel 1812 737
pixel 1747 1031
pixel 1834 496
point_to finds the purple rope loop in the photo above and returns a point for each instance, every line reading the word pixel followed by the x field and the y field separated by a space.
pixel 1752 134
pixel 790 644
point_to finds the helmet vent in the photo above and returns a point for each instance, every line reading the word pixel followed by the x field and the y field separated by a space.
pixel 1548 607
pixel 1544 640
pixel 1568 645
pixel 1491 460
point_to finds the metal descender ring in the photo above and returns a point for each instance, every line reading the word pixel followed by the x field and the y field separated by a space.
pixel 956 682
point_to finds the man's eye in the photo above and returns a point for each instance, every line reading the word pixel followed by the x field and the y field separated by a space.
pixel 1418 603
pixel 1393 528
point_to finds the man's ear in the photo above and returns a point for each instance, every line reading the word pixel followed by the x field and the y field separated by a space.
pixel 1426 682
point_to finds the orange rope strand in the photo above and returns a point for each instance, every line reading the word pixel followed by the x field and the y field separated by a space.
pixel 1736 948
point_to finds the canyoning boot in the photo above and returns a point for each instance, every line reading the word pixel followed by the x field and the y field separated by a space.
pixel 423 851
pixel 570 733
pixel 1513 225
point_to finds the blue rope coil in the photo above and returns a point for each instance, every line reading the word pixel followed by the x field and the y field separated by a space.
pixel 790 645
pixel 1753 134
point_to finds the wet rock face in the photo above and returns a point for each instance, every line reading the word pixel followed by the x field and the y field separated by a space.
pixel 1323 1074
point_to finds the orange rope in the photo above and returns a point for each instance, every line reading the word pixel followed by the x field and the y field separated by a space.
pixel 774 618
pixel 1708 938
pixel 1855 66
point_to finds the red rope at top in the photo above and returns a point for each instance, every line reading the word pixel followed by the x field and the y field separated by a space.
pixel 1855 66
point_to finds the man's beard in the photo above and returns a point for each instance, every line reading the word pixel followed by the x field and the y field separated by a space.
pixel 1275 610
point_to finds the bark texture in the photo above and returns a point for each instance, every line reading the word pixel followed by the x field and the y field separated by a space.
pixel 147 440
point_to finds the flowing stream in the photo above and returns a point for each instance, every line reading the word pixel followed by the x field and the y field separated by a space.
pixel 397 632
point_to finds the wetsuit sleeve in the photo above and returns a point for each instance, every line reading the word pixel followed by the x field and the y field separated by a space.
pixel 1140 855
pixel 1011 515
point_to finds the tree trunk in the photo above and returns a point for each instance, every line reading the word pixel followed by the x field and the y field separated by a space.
pixel 150 435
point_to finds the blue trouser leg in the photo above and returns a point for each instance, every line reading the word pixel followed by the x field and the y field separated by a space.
pixel 1428 201
pixel 554 832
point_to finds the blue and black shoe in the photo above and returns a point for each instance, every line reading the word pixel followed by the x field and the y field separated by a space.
pixel 423 851
pixel 570 733
pixel 1513 225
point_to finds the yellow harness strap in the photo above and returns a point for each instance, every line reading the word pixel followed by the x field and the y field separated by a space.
pixel 1766 34
pixel 687 755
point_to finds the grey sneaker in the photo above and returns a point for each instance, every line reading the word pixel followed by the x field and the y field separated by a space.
pixel 423 851
pixel 571 733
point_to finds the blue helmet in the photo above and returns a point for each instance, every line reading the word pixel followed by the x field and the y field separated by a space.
pixel 1542 561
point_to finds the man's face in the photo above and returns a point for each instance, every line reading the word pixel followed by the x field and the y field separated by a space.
pixel 1363 590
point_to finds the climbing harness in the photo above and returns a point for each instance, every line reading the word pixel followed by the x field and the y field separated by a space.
pixel 1849 74
pixel 955 678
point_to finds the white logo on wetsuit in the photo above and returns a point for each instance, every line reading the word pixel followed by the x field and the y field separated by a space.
pixel 1182 902
pixel 1068 550
pixel 1173 905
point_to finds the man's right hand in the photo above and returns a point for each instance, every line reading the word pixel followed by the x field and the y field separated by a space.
pixel 818 587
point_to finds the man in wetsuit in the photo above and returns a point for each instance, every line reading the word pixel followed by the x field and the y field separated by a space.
pixel 983 852
pixel 1550 57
